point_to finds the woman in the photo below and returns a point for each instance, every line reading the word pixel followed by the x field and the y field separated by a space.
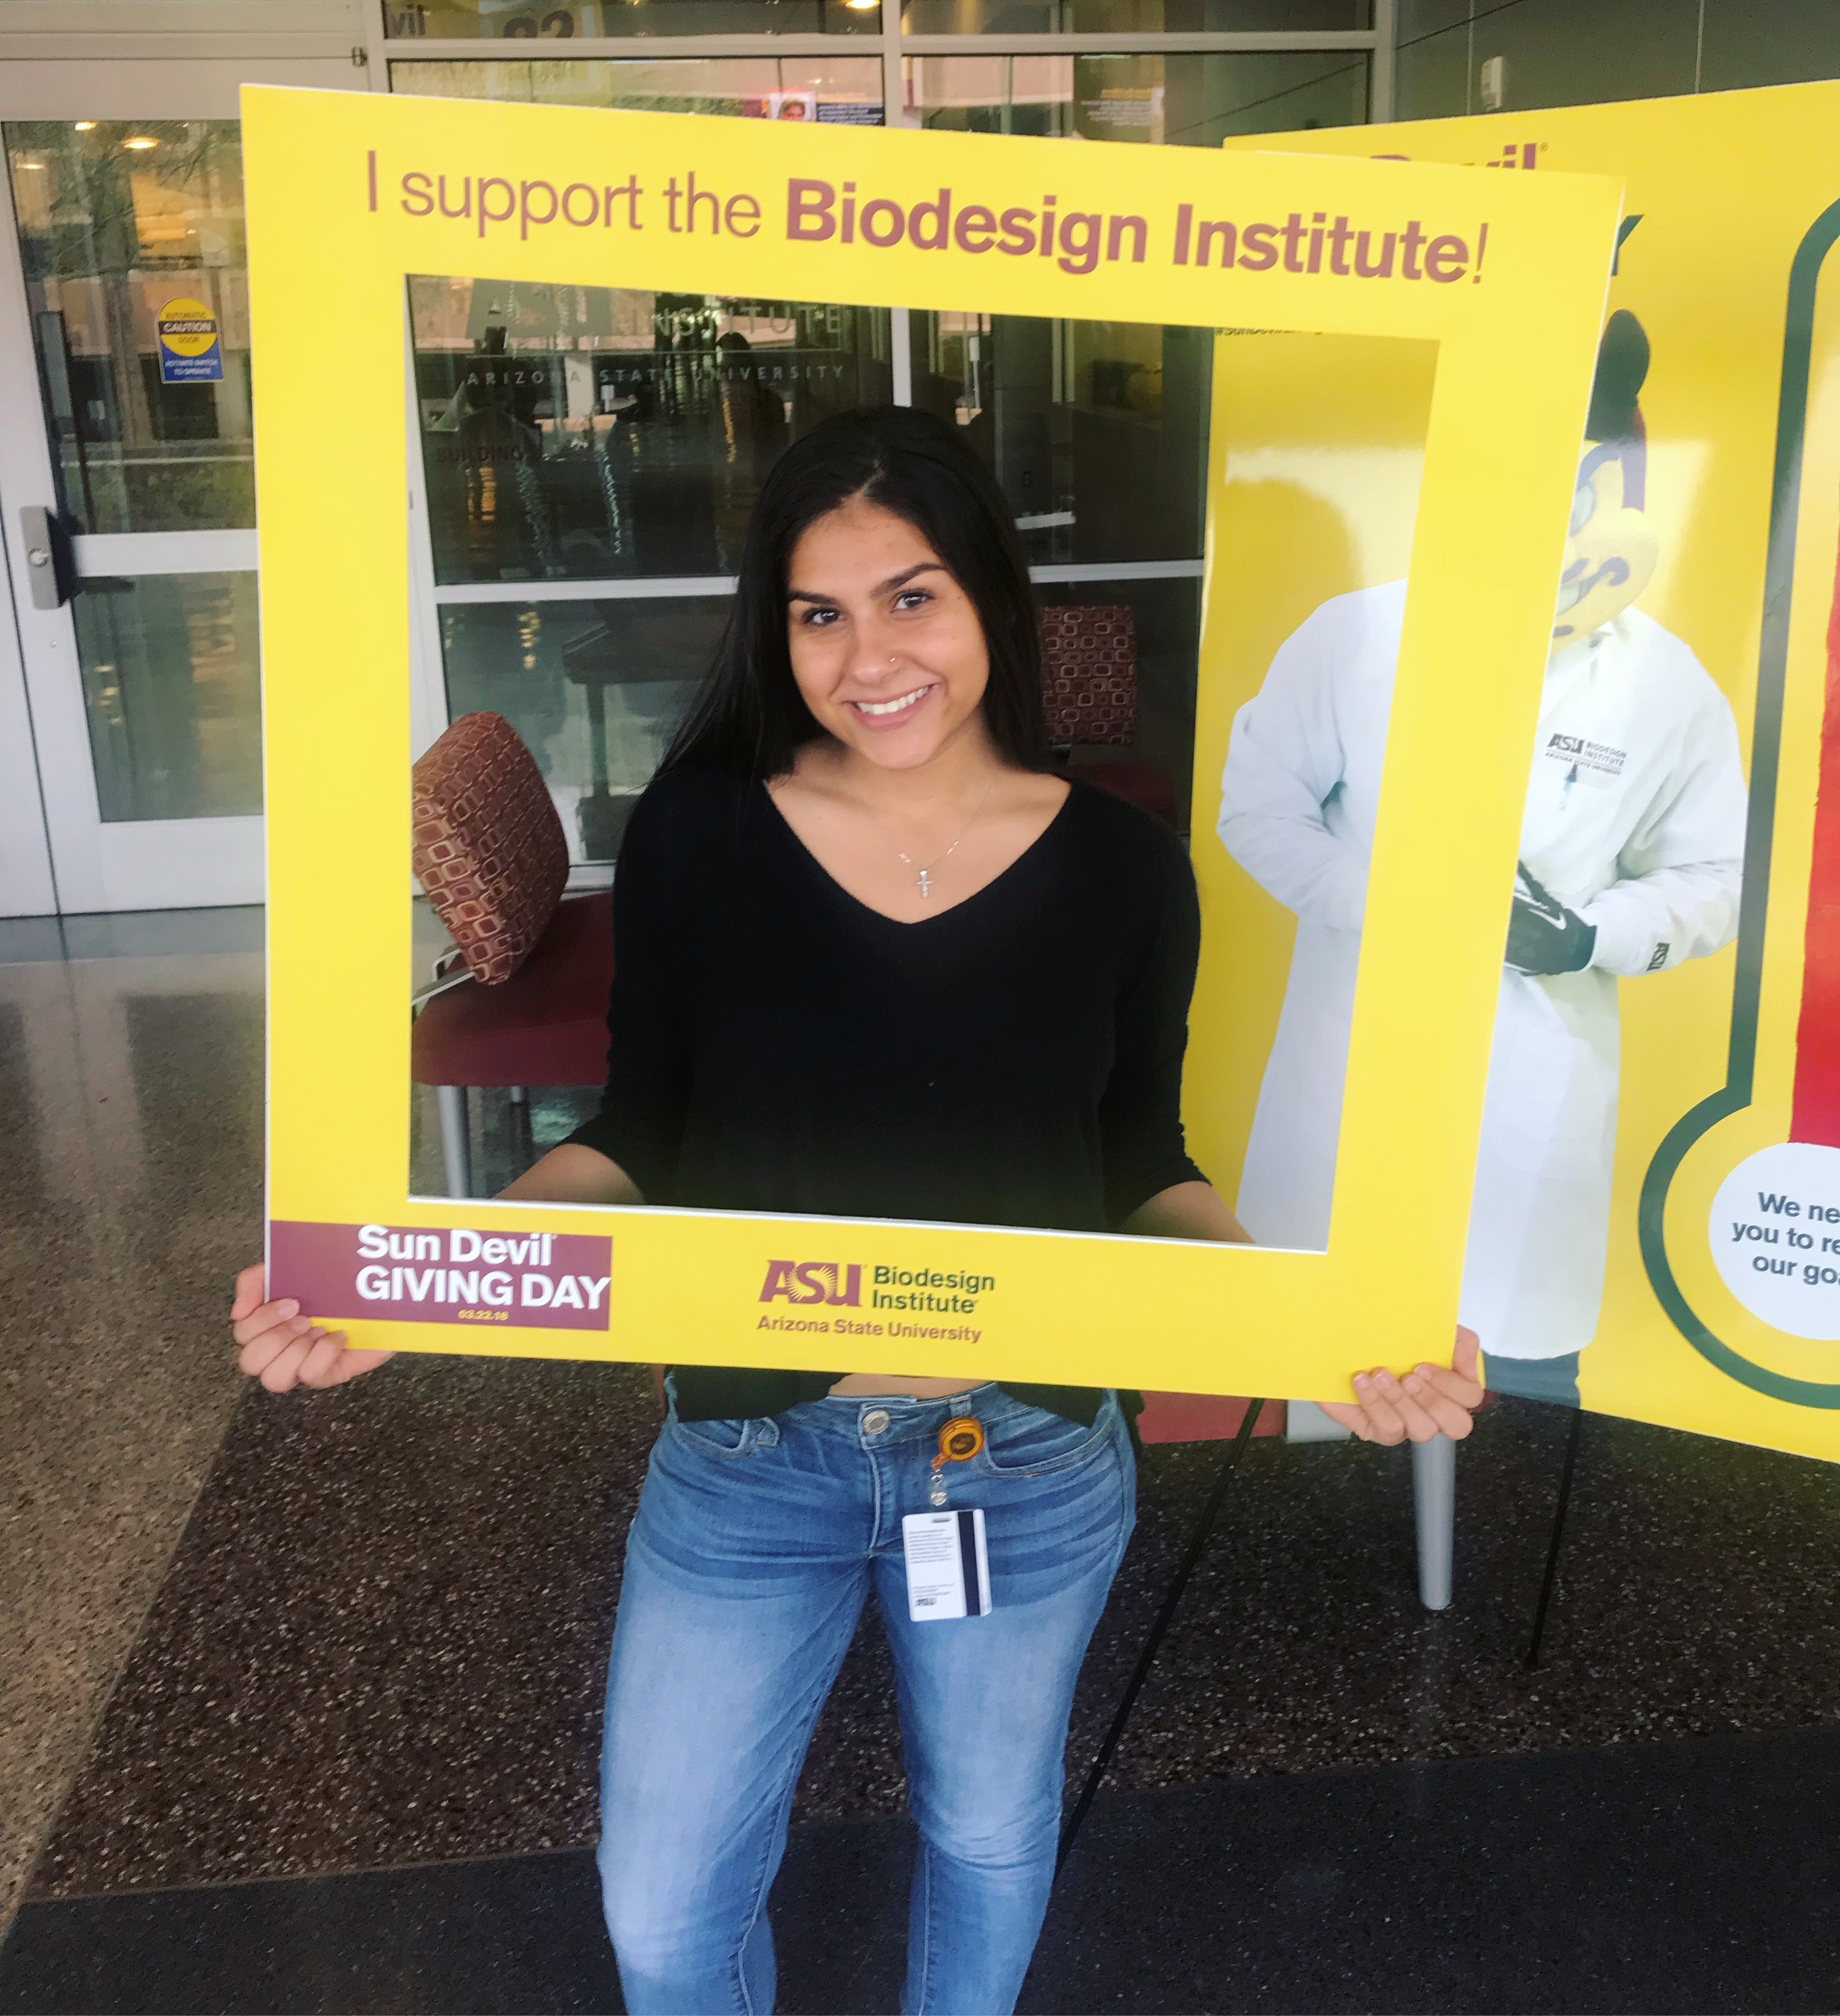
pixel 875 960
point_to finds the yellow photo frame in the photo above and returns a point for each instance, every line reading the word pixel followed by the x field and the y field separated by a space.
pixel 347 199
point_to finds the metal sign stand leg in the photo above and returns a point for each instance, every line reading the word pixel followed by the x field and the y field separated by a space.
pixel 1434 1501
pixel 1190 1560
pixel 1552 1557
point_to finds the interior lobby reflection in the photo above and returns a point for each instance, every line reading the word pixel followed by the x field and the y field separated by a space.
pixel 594 433
pixel 1187 99
pixel 1096 430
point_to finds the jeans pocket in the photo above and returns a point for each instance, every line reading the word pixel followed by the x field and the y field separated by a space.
pixel 1035 1442
pixel 716 1437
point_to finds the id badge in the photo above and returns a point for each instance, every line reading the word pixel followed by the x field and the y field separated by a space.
pixel 948 1568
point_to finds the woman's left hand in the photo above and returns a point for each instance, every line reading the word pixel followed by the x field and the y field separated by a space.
pixel 1430 1400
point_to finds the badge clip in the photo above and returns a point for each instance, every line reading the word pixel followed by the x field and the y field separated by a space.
pixel 959 1440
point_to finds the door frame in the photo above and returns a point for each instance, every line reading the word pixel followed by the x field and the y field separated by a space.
pixel 56 853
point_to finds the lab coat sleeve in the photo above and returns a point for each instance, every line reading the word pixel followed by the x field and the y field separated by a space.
pixel 1680 874
pixel 1284 759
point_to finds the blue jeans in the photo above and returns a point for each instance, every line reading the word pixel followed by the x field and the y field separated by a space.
pixel 755 1546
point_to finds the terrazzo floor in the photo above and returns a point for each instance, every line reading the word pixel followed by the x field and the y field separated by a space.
pixel 130 1183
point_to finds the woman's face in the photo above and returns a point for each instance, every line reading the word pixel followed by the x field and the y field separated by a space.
pixel 886 646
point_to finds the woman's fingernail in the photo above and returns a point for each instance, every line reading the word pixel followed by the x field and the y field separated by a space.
pixel 288 1306
pixel 1361 1379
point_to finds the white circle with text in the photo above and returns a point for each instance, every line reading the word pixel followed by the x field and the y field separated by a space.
pixel 1775 1237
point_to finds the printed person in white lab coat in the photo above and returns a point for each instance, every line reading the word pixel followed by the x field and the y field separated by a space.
pixel 1630 859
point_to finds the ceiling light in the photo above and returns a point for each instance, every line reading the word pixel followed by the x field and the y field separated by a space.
pixel 862 6
pixel 139 142
pixel 85 126
pixel 31 164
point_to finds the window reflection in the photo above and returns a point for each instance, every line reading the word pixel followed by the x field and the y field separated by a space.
pixel 130 233
pixel 562 20
pixel 827 90
pixel 1181 100
pixel 594 433
pixel 171 693
pixel 595 689
pixel 1096 430
pixel 1132 17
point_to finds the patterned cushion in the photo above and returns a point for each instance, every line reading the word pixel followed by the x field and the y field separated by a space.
pixel 487 844
pixel 1090 672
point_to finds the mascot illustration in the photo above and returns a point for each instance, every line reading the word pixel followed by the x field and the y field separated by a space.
pixel 1631 852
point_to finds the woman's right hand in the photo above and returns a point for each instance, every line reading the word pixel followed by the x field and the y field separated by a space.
pixel 1428 1402
pixel 278 1345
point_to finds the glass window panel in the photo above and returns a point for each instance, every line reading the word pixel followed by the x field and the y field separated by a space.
pixel 1132 17
pixel 1188 100
pixel 1431 78
pixel 1572 52
pixel 1096 430
pixel 1785 41
pixel 171 690
pixel 843 91
pixel 595 433
pixel 130 232
pixel 596 689
pixel 1556 51
pixel 561 20
pixel 1169 623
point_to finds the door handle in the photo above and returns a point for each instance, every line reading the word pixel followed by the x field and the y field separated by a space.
pixel 51 560
pixel 51 556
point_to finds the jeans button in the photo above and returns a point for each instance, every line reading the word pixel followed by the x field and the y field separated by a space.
pixel 876 1421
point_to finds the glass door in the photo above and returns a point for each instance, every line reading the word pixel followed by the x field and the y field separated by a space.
pixel 127 488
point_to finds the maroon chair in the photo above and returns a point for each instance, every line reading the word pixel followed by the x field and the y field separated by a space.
pixel 1089 693
pixel 523 1000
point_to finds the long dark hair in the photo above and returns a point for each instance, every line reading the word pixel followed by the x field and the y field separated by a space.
pixel 749 717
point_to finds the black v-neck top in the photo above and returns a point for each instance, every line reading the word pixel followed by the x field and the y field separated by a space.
pixel 777 1046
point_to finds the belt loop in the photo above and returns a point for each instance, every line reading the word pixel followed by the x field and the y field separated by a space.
pixel 768 1437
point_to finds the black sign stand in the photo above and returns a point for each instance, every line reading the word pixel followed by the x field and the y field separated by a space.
pixel 1070 1832
pixel 1552 1556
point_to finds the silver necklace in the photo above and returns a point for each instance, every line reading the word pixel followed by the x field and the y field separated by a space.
pixel 923 872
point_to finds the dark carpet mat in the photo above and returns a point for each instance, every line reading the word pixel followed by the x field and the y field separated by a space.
pixel 1655 1878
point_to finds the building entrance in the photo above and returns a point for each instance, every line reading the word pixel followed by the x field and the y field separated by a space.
pixel 130 749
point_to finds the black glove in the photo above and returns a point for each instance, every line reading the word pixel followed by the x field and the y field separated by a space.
pixel 1544 936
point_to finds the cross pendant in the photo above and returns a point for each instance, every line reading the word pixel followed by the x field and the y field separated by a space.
pixel 926 884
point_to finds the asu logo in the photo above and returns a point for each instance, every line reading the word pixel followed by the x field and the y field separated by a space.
pixel 810 1281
